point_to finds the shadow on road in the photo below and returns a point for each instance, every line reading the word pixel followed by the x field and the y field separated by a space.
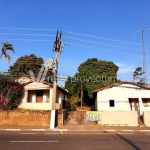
pixel 128 142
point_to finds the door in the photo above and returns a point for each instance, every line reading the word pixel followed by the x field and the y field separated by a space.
pixel 39 96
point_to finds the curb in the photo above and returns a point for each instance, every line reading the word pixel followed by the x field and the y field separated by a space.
pixel 19 130
pixel 66 130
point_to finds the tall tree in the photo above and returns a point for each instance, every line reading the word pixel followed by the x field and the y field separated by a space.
pixel 138 75
pixel 25 63
pixel 92 74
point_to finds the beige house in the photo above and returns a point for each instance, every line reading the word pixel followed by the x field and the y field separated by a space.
pixel 38 95
pixel 123 96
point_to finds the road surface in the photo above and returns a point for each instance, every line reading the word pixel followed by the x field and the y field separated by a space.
pixel 74 140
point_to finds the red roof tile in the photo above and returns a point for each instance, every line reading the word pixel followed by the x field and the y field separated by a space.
pixel 120 83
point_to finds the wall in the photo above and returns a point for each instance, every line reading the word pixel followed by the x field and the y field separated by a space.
pixel 121 94
pixel 29 118
pixel 119 118
pixel 146 118
pixel 36 106
pixel 48 95
pixel 33 105
pixel 42 118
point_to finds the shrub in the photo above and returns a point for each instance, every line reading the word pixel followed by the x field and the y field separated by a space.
pixel 11 92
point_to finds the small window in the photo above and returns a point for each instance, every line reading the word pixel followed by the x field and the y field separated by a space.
pixel 111 103
pixel 145 102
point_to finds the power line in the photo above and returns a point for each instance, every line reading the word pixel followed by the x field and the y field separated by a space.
pixel 67 38
pixel 100 48
pixel 72 44
pixel 33 59
pixel 27 40
pixel 98 43
pixel 28 34
pixel 27 28
pixel 101 38
pixel 71 33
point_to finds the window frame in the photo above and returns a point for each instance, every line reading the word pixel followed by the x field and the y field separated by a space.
pixel 111 103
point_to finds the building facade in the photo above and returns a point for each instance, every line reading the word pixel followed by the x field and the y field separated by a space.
pixel 123 96
pixel 39 95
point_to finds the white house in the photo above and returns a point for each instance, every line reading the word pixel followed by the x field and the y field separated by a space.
pixel 39 95
pixel 123 96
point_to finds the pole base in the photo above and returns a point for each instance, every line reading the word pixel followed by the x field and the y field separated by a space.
pixel 52 122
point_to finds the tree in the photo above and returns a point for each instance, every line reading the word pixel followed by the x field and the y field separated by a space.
pixel 10 92
pixel 92 74
pixel 6 46
pixel 137 75
pixel 25 63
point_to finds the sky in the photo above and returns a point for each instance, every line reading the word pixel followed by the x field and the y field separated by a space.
pixel 90 29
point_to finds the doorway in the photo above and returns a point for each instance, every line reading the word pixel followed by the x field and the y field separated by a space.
pixel 134 104
pixel 39 96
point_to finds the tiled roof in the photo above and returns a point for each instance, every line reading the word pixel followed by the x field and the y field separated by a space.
pixel 120 83
pixel 46 83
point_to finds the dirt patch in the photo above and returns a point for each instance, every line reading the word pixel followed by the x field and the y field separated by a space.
pixel 84 108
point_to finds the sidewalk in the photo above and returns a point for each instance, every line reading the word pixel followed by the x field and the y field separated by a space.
pixel 74 128
pixel 100 128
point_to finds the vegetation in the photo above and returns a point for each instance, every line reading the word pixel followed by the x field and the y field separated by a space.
pixel 10 92
pixel 25 63
pixel 6 46
pixel 138 76
pixel 92 74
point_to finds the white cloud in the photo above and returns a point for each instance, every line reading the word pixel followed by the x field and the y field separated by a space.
pixel 124 68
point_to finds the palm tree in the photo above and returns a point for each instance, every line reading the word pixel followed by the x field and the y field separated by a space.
pixel 6 46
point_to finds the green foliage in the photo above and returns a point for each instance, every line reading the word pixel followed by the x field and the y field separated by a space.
pixel 92 74
pixel 10 92
pixel 25 63
pixel 73 101
pixel 137 76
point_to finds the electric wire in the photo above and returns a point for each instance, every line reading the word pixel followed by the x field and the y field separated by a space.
pixel 71 33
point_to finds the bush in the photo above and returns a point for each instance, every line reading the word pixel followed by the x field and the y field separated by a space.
pixel 11 92
pixel 3 103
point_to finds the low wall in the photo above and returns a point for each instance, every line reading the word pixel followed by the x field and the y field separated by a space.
pixel 35 106
pixel 146 118
pixel 119 118
pixel 29 118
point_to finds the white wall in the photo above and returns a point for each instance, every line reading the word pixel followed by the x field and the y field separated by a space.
pixel 121 94
pixel 119 118
pixel 146 118
pixel 47 95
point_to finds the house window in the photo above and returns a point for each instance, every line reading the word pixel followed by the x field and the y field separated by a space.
pixel 111 103
pixel 145 102
pixel 30 94
pixel 38 96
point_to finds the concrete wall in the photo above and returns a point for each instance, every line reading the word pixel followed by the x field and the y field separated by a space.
pixel 121 95
pixel 29 118
pixel 119 118
pixel 146 118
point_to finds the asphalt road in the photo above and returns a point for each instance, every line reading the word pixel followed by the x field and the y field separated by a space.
pixel 77 140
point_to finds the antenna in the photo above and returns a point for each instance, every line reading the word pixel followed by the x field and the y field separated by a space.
pixel 143 54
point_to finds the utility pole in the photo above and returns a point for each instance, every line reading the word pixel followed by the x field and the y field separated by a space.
pixel 81 96
pixel 144 55
pixel 57 50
